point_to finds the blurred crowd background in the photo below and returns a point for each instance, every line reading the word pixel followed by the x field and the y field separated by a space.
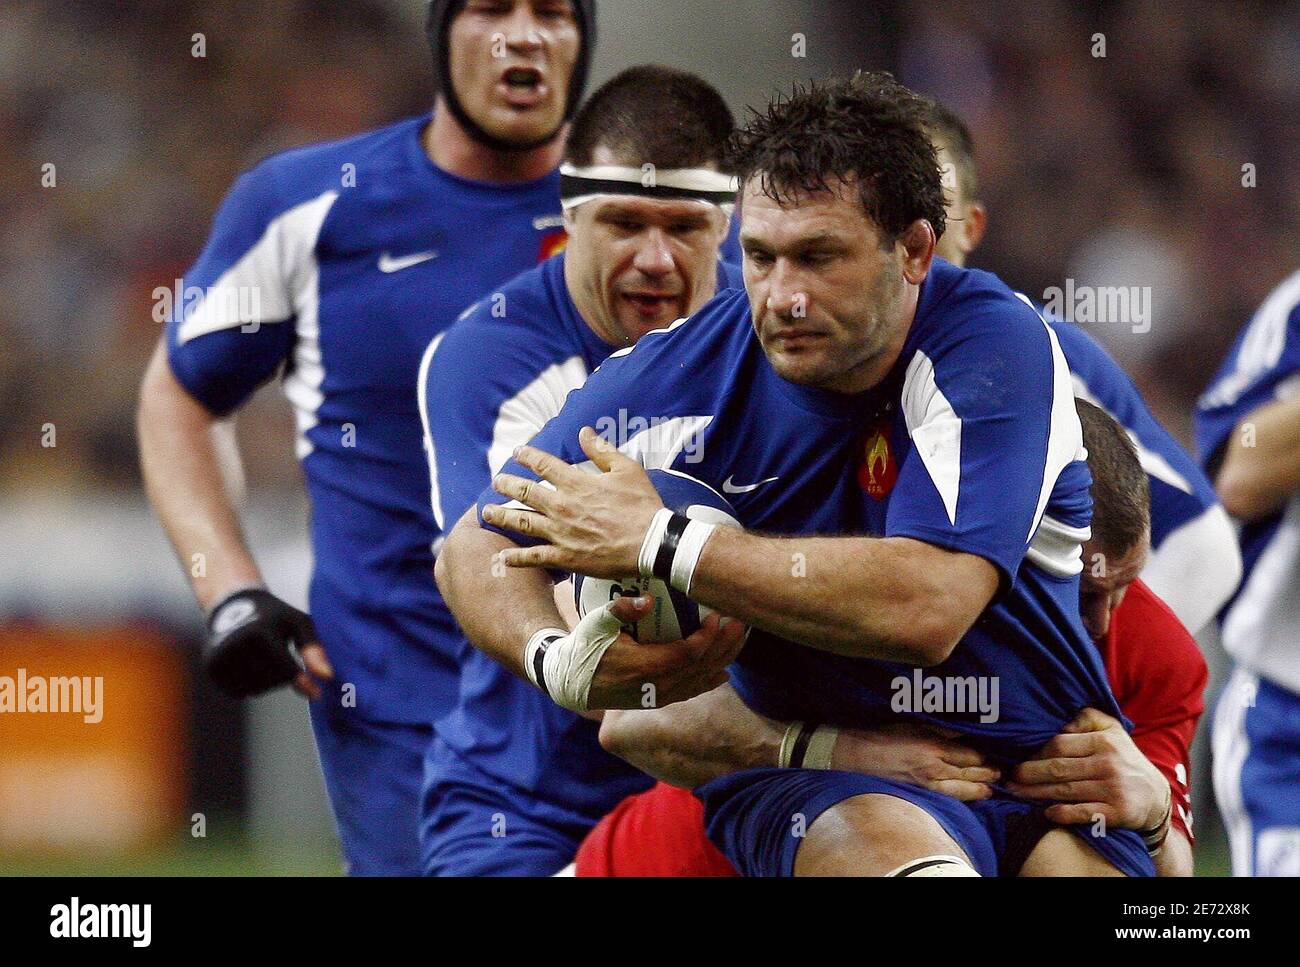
pixel 1123 169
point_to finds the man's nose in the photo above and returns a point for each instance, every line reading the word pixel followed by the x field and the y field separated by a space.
pixel 523 33
pixel 784 297
pixel 653 257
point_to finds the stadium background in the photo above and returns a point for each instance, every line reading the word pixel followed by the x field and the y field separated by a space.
pixel 1125 169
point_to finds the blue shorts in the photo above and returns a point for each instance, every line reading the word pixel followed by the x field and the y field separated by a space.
pixel 1257 774
pixel 758 819
pixel 373 773
pixel 473 826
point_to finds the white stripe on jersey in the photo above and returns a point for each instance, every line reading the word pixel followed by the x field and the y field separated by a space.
pixel 1231 748
pixel 280 270
pixel 1058 548
pixel 1065 435
pixel 302 384
pixel 1196 568
pixel 1262 628
pixel 935 429
pixel 521 417
pixel 422 400
pixel 653 332
pixel 1262 347
pixel 655 448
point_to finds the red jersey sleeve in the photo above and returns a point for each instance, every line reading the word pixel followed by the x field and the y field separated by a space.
pixel 1158 675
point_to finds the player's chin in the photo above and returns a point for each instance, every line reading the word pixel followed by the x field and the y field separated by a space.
pixel 802 367
pixel 524 125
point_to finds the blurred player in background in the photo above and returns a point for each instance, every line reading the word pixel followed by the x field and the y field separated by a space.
pixel 513 780
pixel 357 253
pixel 1248 434
pixel 849 382
pixel 1094 768
pixel 1194 566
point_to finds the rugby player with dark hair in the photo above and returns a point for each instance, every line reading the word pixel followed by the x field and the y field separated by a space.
pixel 513 781
pixel 1094 768
pixel 911 427
pixel 358 252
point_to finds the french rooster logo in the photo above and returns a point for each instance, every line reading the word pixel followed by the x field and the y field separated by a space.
pixel 879 470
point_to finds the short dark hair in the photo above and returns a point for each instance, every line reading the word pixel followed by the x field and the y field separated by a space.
pixel 653 114
pixel 946 126
pixel 1121 495
pixel 869 128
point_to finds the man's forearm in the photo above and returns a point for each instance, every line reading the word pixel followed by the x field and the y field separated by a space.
pixel 180 461
pixel 693 742
pixel 863 597
pixel 1261 466
pixel 498 607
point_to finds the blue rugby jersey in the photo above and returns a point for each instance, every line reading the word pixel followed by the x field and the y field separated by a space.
pixel 1261 624
pixel 972 443
pixel 1194 564
pixel 487 385
pixel 354 255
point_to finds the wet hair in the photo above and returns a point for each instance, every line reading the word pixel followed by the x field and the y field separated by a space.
pixel 868 129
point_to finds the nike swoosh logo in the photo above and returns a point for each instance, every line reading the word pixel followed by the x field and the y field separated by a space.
pixel 543 222
pixel 389 264
pixel 730 488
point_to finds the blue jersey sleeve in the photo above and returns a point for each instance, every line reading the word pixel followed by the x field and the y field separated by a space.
pixel 230 330
pixel 609 392
pixel 1180 491
pixel 1261 368
pixel 483 393
pixel 993 425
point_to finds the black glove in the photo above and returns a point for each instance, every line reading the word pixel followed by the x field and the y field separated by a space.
pixel 253 639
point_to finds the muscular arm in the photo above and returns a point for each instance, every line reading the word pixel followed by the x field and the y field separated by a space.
pixel 182 458
pixel 893 598
pixel 1256 480
pixel 716 734
pixel 858 596
pixel 693 742
pixel 498 608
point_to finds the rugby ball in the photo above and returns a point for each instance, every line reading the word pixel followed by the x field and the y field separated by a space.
pixel 674 616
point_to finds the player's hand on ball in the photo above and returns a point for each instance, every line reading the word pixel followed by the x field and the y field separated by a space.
pixel 256 642
pixel 1094 768
pixel 913 753
pixel 635 675
pixel 593 523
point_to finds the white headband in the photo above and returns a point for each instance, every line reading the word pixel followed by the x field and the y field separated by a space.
pixel 580 185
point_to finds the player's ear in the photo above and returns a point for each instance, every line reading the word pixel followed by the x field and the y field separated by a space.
pixel 974 226
pixel 917 241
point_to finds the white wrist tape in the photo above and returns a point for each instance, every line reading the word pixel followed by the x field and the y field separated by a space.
pixel 672 547
pixel 535 651
pixel 563 664
pixel 689 548
pixel 645 561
